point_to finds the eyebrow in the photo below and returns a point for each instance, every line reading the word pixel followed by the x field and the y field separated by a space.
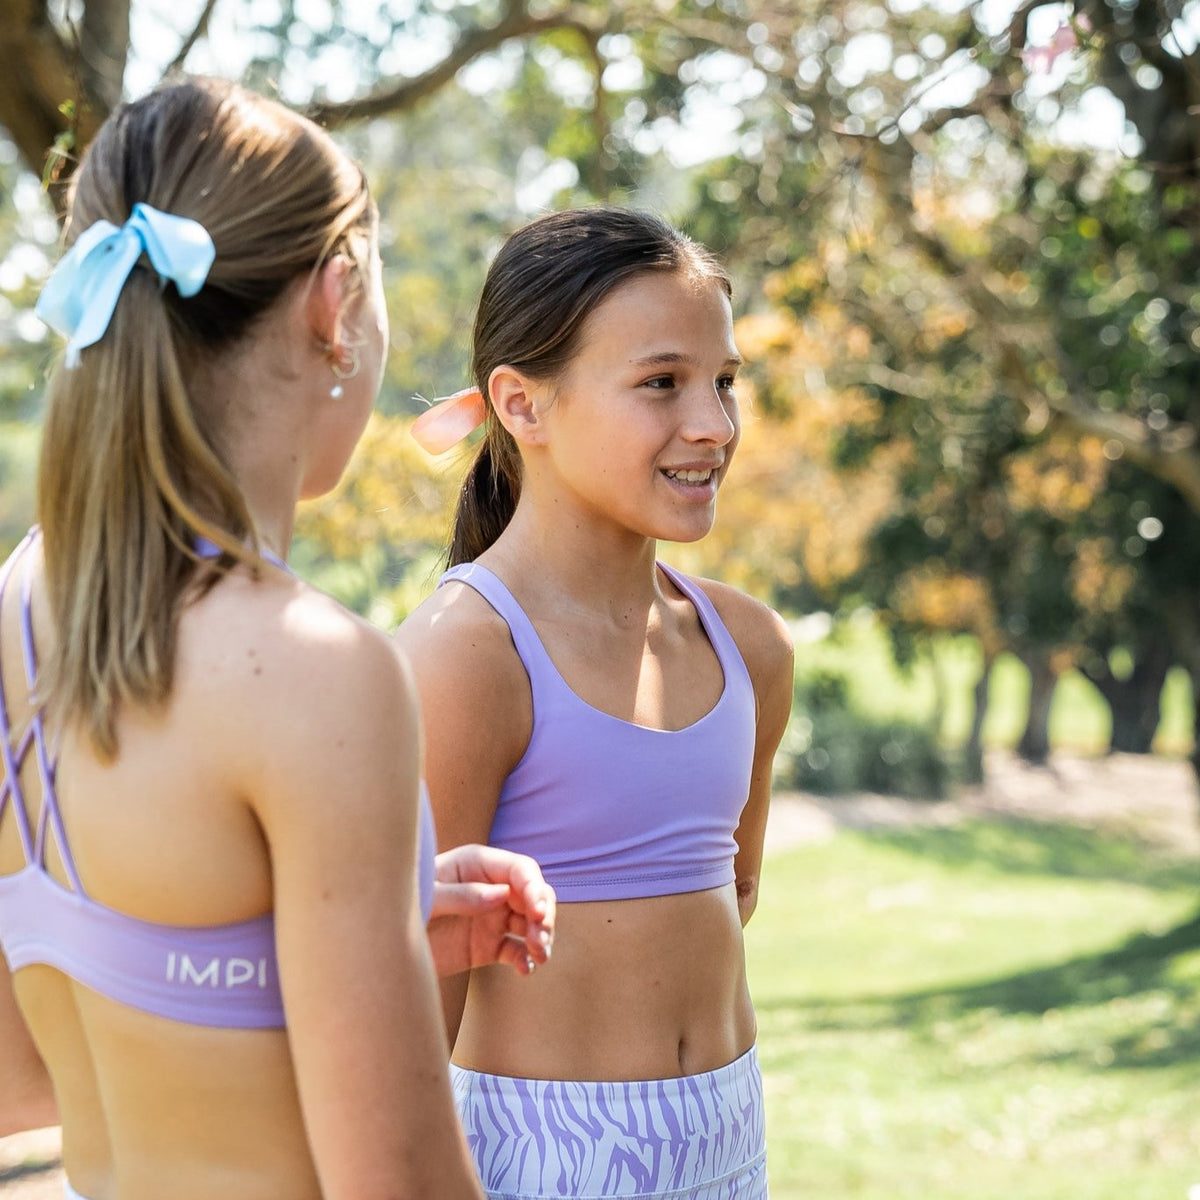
pixel 670 356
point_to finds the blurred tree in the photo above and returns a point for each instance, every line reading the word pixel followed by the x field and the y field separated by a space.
pixel 978 332
pixel 1023 314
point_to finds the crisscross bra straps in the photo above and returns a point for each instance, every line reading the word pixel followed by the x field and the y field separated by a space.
pixel 34 738
pixel 224 976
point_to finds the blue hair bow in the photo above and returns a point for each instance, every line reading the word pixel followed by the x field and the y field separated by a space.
pixel 81 294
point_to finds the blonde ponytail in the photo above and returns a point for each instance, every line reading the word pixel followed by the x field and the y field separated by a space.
pixel 132 471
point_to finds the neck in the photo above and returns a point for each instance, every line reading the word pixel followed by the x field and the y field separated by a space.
pixel 261 447
pixel 584 563
pixel 272 509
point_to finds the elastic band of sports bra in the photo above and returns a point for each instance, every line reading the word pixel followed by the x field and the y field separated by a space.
pixel 207 548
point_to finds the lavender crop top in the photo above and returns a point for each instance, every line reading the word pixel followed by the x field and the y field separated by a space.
pixel 613 810
pixel 224 975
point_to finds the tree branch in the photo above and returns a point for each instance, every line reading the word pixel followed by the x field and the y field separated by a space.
pixel 103 50
pixel 1169 454
pixel 517 22
pixel 198 31
pixel 599 175
pixel 46 99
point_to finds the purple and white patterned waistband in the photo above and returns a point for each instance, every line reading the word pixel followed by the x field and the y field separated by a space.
pixel 699 1137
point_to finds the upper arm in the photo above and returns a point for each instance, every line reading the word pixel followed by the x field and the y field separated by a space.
pixel 766 647
pixel 337 799
pixel 477 714
pixel 26 1094
pixel 477 718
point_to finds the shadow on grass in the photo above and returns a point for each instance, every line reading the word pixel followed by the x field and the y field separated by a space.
pixel 29 1170
pixel 1166 964
pixel 1017 846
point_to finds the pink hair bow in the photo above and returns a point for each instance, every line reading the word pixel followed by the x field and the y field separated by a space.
pixel 449 420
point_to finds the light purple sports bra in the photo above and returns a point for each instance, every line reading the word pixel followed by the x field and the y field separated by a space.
pixel 224 975
pixel 613 810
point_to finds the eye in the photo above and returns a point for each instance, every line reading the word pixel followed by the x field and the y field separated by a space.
pixel 726 383
pixel 660 382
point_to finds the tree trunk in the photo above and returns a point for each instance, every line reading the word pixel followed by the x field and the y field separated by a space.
pixel 1135 702
pixel 973 751
pixel 1182 613
pixel 1034 746
pixel 48 90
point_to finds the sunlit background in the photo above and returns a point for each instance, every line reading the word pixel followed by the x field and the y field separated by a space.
pixel 965 240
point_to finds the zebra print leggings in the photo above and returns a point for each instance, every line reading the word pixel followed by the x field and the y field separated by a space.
pixel 701 1137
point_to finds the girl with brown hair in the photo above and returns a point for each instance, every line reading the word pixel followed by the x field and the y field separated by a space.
pixel 603 712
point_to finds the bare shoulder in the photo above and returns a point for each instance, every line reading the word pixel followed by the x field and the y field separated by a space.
pixel 282 632
pixel 469 677
pixel 276 662
pixel 761 634
pixel 455 636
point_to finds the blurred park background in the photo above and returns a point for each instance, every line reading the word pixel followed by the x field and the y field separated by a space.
pixel 965 240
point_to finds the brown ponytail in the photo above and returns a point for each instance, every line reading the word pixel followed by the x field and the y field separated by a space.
pixel 489 495
pixel 543 285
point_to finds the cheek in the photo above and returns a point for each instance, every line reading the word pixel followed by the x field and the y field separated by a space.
pixel 735 417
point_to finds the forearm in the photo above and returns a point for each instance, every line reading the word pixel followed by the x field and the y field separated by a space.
pixel 26 1096
pixel 454 1002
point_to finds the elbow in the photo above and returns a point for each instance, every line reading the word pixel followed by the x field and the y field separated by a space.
pixel 747 898
pixel 35 1109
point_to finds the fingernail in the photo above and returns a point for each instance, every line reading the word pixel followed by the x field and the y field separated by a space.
pixel 530 965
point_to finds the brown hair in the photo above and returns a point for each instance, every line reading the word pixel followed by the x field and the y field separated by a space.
pixel 543 285
pixel 132 467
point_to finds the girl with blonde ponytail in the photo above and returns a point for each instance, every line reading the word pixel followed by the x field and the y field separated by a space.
pixel 216 863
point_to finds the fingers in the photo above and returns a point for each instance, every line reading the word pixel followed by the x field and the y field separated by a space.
pixel 475 879
pixel 529 893
pixel 467 899
pixel 515 953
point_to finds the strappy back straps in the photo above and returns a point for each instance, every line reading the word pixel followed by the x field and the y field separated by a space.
pixel 14 756
pixel 50 818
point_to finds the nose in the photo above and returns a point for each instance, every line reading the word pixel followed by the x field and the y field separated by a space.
pixel 712 417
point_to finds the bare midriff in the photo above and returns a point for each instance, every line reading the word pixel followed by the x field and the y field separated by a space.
pixel 637 989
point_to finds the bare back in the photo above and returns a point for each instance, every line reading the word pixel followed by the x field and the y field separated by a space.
pixel 186 828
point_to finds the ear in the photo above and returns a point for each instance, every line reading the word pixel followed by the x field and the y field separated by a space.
pixel 326 302
pixel 520 403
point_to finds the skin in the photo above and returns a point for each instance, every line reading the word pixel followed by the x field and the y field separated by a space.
pixel 282 775
pixel 658 984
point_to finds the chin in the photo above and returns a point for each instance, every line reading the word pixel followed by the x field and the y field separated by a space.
pixel 320 485
pixel 684 532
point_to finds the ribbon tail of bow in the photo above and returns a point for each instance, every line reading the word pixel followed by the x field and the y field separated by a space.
pixel 449 420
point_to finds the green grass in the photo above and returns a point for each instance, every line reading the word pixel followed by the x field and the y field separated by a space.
pixel 983 1012
pixel 1079 719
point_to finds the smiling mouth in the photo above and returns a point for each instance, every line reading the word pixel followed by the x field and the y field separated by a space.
pixel 690 476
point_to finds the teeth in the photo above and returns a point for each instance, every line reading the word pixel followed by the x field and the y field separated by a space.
pixel 690 476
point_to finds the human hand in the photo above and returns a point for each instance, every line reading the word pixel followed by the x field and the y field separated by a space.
pixel 489 906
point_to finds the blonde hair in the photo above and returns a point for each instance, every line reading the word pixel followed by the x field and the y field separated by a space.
pixel 132 468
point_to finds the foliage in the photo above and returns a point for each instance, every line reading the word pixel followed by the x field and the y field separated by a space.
pixel 18 461
pixel 971 329
pixel 27 235
pixel 375 543
pixel 977 1012
pixel 830 748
